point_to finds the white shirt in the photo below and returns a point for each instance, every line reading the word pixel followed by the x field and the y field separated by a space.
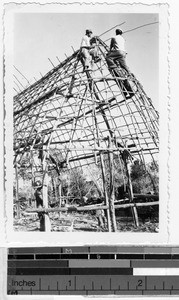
pixel 85 42
pixel 118 43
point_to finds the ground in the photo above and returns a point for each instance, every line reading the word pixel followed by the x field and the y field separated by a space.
pixel 79 222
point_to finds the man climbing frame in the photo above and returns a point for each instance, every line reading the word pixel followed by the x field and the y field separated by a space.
pixel 117 52
pixel 89 52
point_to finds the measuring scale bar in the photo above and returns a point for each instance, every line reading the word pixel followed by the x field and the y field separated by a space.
pixel 91 281
pixel 94 271
pixel 93 284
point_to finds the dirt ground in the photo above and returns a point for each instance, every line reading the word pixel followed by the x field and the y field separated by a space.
pixel 79 222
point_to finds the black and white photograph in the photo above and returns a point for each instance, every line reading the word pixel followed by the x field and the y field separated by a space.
pixel 83 132
pixel 89 154
pixel 86 122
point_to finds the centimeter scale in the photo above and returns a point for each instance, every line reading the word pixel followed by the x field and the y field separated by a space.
pixel 94 270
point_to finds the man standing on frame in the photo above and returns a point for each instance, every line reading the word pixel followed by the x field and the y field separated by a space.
pixel 88 51
pixel 117 52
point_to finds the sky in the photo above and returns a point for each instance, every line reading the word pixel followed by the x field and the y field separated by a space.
pixel 39 37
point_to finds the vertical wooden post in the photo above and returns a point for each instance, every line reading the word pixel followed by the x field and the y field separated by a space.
pixel 45 181
pixel 125 156
pixel 60 195
pixel 32 179
pixel 111 188
pixel 105 191
pixel 54 188
pixel 17 192
pixel 46 220
pixel 94 97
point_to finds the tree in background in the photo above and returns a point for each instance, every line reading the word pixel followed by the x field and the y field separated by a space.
pixel 145 178
pixel 119 173
pixel 24 170
pixel 77 184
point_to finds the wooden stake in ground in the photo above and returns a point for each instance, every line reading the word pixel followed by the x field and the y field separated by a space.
pixel 125 156
pixel 111 188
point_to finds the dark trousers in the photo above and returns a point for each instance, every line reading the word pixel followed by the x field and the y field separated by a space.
pixel 124 84
pixel 117 55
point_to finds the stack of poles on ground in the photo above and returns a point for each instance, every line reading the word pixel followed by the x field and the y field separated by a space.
pixel 100 105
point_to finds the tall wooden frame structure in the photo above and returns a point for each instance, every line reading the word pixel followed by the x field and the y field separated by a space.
pixel 85 116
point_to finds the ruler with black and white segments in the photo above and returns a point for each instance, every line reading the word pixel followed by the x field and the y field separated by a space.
pixel 94 270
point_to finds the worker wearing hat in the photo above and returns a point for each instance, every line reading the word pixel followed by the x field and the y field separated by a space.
pixel 89 52
pixel 89 31
pixel 117 52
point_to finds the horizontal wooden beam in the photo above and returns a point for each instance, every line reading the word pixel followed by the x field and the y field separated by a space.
pixel 89 208
pixel 137 204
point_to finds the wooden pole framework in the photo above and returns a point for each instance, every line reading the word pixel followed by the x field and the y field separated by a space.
pixel 76 111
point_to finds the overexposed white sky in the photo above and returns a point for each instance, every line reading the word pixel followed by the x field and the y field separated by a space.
pixel 39 36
